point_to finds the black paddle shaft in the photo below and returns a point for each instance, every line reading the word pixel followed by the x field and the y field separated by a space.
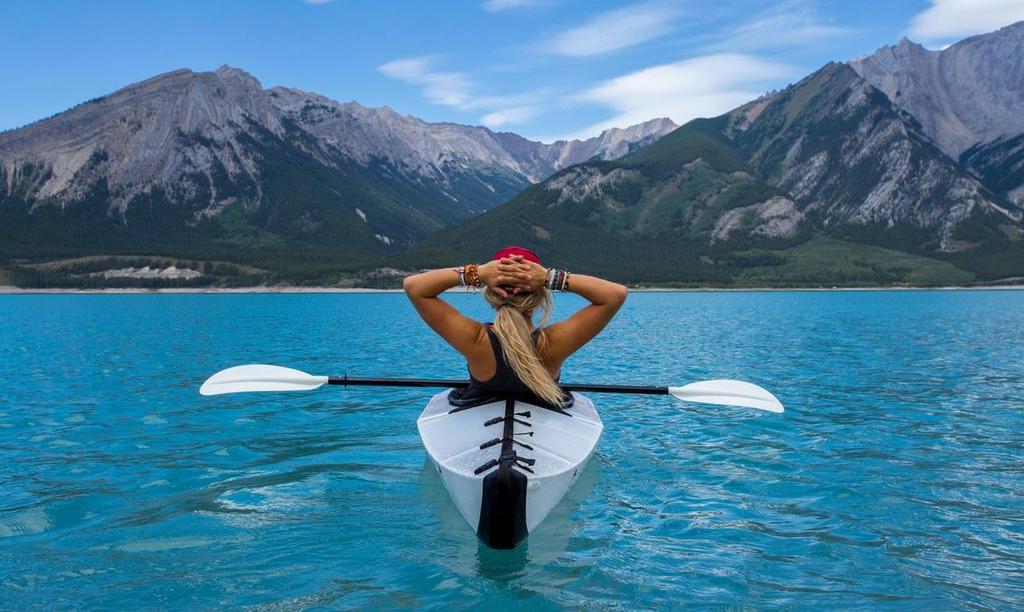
pixel 348 381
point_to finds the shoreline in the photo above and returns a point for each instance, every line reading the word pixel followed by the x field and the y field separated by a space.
pixel 11 290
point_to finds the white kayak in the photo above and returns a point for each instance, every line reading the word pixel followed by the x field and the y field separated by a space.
pixel 506 464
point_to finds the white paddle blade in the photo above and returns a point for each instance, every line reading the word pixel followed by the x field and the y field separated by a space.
pixel 728 393
pixel 258 377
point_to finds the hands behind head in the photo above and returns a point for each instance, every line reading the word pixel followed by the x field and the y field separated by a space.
pixel 512 275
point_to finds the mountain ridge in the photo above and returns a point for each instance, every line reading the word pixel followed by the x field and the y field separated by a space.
pixel 832 180
pixel 967 98
pixel 732 197
pixel 964 94
pixel 198 144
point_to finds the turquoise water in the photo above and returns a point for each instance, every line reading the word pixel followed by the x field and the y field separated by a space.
pixel 894 480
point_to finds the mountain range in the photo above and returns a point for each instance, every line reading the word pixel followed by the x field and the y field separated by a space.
pixel 194 160
pixel 905 167
pixel 891 157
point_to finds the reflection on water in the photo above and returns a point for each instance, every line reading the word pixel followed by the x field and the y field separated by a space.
pixel 893 479
pixel 543 546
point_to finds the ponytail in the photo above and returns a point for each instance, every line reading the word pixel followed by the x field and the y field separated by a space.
pixel 512 326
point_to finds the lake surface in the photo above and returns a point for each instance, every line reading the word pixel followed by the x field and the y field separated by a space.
pixel 894 480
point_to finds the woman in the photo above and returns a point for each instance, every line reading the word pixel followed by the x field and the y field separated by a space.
pixel 511 355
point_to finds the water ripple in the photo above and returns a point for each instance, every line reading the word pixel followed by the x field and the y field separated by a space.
pixel 893 480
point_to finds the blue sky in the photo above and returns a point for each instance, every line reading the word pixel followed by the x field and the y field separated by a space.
pixel 542 68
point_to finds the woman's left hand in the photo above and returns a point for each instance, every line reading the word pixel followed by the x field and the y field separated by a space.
pixel 501 276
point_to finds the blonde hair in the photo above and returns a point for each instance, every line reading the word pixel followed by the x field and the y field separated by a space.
pixel 512 326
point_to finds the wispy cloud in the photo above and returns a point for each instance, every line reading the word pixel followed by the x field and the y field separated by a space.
pixel 946 19
pixel 614 30
pixel 503 5
pixel 703 86
pixel 509 116
pixel 456 90
pixel 729 73
pixel 440 87
pixel 791 23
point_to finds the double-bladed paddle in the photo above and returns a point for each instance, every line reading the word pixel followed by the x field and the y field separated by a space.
pixel 258 377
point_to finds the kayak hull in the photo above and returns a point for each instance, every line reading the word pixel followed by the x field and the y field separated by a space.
pixel 506 464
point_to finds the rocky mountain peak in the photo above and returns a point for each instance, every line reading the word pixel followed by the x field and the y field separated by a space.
pixel 657 126
pixel 966 94
pixel 225 70
pixel 846 152
pixel 612 143
pixel 905 44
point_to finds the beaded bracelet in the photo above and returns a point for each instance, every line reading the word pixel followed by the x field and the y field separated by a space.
pixel 469 275
pixel 556 280
pixel 472 275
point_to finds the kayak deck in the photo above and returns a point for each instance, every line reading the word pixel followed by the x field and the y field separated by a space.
pixel 508 461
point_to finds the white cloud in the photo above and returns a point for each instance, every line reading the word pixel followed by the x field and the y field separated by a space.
pixel 614 30
pixel 703 86
pixel 509 116
pixel 958 18
pixel 445 88
pixel 788 24
pixel 456 90
pixel 504 5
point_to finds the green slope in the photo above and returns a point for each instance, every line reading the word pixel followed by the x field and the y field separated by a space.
pixel 648 216
pixel 826 262
pixel 658 215
pixel 999 164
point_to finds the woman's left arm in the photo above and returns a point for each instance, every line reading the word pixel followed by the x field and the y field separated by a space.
pixel 457 330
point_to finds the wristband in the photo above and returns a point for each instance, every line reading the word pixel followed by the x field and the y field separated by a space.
pixel 556 280
pixel 472 275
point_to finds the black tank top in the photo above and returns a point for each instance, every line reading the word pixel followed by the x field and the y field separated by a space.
pixel 505 382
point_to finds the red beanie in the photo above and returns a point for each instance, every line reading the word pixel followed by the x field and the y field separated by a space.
pixel 526 254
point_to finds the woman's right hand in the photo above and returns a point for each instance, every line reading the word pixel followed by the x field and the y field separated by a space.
pixel 511 275
pixel 523 276
pixel 499 277
pixel 532 275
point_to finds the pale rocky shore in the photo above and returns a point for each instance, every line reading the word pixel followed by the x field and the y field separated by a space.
pixel 10 290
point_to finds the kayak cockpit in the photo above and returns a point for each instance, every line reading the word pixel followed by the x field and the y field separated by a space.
pixel 507 463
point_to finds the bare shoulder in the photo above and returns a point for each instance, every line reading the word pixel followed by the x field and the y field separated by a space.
pixel 480 342
pixel 556 343
pixel 551 349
